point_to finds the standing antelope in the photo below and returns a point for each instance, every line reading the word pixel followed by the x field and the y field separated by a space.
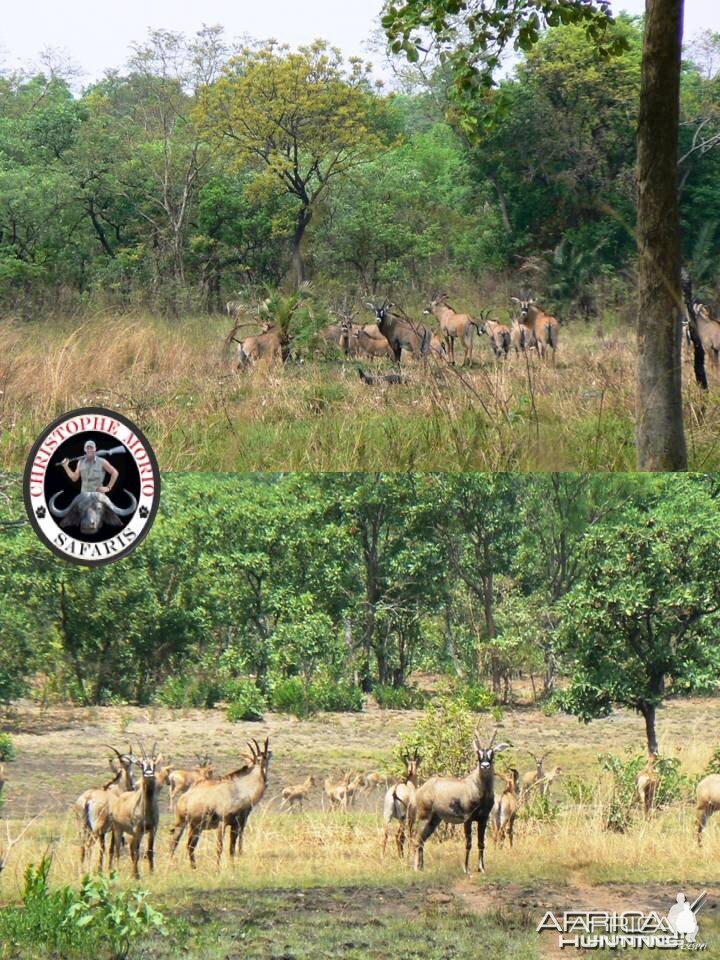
pixel 453 326
pixel 397 800
pixel 297 794
pixel 708 802
pixel 708 330
pixel 370 342
pixel 340 793
pixel 505 809
pixel 646 784
pixel 543 327
pixel 497 333
pixel 548 780
pixel 465 800
pixel 520 337
pixel 532 779
pixel 137 814
pixel 270 344
pixel 401 332
pixel 179 781
pixel 92 807
pixel 227 802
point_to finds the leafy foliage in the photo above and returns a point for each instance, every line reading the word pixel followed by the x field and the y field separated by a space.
pixel 7 747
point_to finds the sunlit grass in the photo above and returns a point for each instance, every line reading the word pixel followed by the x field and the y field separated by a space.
pixel 175 379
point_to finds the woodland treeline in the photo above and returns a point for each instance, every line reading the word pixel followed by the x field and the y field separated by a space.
pixel 204 169
pixel 602 587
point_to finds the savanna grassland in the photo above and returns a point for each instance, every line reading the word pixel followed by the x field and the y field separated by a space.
pixel 314 884
pixel 177 381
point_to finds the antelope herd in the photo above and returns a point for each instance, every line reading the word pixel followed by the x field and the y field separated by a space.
pixel 128 807
pixel 393 334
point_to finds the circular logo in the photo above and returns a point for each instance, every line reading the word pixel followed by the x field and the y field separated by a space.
pixel 91 486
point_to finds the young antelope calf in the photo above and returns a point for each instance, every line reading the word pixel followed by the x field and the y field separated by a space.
pixel 505 809
pixel 297 794
pixel 397 800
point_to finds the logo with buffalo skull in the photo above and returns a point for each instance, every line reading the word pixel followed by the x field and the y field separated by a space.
pixel 91 486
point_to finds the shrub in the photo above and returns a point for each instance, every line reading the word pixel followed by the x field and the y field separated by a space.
pixel 246 701
pixel 399 698
pixel 713 764
pixel 442 738
pixel 7 747
pixel 539 808
pixel 96 921
pixel 197 691
pixel 672 786
pixel 579 790
pixel 477 697
pixel 293 695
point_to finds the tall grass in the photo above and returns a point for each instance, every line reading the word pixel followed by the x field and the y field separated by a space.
pixel 175 379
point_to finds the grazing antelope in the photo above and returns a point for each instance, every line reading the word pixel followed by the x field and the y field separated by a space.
pixel 298 793
pixel 179 781
pixel 708 802
pixel 401 332
pixel 646 784
pixel 708 329
pixel 497 333
pixel 543 327
pixel 137 814
pixel 520 337
pixel 92 807
pixel 532 779
pixel 505 809
pixel 270 344
pixel 227 802
pixel 465 800
pixel 453 326
pixel 370 342
pixel 397 800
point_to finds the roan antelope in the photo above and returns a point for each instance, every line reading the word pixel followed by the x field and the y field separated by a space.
pixel 497 333
pixel 505 809
pixel 271 344
pixel 646 784
pixel 137 814
pixel 92 807
pixel 465 800
pixel 708 802
pixel 227 802
pixel 400 331
pixel 453 326
pixel 179 781
pixel 397 800
pixel 543 327
pixel 531 780
pixel 297 794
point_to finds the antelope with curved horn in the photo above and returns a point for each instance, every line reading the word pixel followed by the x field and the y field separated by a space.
pixel 497 333
pixel 92 807
pixel 227 802
pixel 137 814
pixel 397 801
pixel 533 778
pixel 465 800
pixel 543 327
pixel 401 332
pixel 453 326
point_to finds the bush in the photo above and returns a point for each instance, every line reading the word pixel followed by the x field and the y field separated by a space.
pixel 293 695
pixel 7 747
pixel 672 786
pixel 579 790
pixel 713 764
pixel 539 808
pixel 399 698
pixel 96 921
pixel 246 701
pixel 442 738
pixel 477 697
pixel 198 691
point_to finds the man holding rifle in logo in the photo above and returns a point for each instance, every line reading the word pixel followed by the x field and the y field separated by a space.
pixel 91 470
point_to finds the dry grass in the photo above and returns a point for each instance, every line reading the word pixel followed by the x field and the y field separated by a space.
pixel 319 847
pixel 176 381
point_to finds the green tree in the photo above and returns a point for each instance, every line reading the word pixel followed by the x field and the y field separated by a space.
pixel 641 621
pixel 301 119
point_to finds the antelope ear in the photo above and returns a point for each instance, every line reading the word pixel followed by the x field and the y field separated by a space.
pixel 370 305
pixel 500 747
pixel 515 300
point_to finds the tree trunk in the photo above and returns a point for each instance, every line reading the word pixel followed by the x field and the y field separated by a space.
pixel 648 712
pixel 503 205
pixel 660 437
pixel 297 258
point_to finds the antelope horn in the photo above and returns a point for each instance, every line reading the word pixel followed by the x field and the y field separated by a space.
pixel 117 753
pixel 122 512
